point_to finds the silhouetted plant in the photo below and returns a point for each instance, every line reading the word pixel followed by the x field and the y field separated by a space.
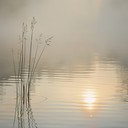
pixel 24 74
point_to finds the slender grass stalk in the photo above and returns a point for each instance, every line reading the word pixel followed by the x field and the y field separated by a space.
pixel 37 62
pixel 16 89
pixel 25 38
pixel 31 44
pixel 23 80
pixel 47 43
pixel 34 61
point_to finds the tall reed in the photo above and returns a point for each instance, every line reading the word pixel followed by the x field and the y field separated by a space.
pixel 24 74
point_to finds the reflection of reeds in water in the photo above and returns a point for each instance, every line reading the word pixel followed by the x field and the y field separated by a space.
pixel 23 113
pixel 24 75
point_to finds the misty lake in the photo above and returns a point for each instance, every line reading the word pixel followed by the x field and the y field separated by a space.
pixel 82 78
pixel 93 96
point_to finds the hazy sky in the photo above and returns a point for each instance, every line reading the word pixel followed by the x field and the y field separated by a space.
pixel 77 25
pixel 74 17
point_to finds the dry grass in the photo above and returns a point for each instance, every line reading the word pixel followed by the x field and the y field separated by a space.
pixel 28 61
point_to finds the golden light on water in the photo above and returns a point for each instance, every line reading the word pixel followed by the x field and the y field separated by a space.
pixel 89 99
pixel 89 102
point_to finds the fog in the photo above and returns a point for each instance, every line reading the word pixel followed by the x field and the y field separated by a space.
pixel 81 28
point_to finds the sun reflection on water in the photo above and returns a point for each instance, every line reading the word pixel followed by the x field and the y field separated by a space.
pixel 89 101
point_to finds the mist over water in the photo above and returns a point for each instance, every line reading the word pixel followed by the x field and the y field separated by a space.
pixel 79 27
pixel 82 78
pixel 83 30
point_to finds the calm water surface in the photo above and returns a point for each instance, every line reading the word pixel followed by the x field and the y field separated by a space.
pixel 78 86
pixel 82 96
